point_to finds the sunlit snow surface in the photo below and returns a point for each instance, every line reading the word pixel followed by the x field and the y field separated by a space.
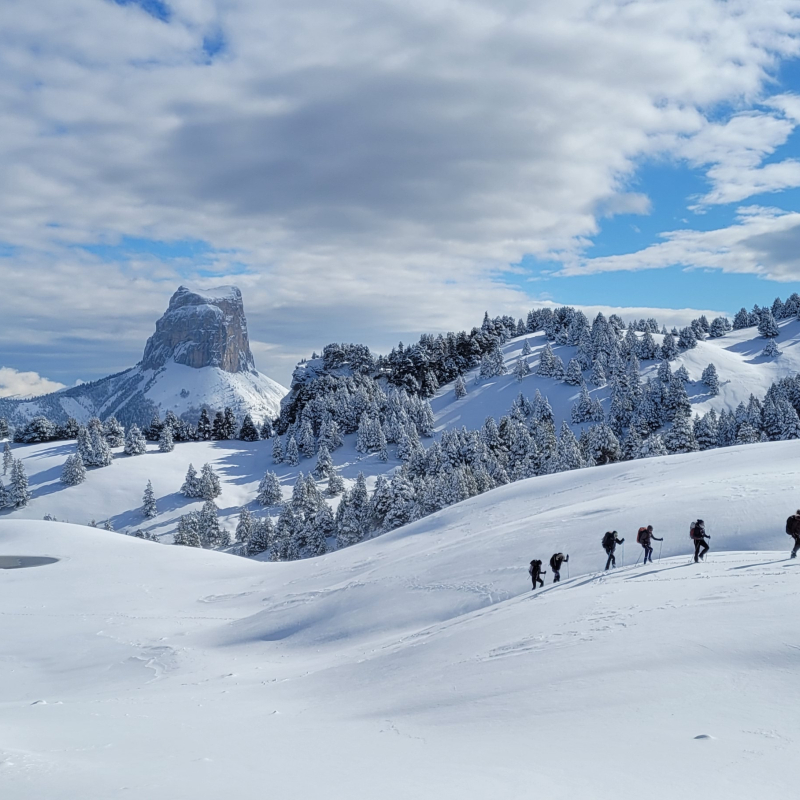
pixel 419 664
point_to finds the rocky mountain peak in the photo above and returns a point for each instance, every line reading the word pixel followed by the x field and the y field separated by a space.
pixel 202 329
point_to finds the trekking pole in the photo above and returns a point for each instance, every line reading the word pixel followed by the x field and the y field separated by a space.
pixel 659 551
pixel 637 559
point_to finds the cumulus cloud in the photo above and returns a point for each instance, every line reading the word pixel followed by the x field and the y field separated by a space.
pixel 375 166
pixel 25 384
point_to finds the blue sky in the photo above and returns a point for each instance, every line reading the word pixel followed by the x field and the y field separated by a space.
pixel 370 172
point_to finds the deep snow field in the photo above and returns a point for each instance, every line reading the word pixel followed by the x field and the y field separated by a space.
pixel 419 664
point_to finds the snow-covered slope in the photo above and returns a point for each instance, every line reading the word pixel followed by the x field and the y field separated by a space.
pixel 419 663
pixel 737 356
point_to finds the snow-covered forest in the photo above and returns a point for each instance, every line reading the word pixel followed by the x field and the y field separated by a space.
pixel 365 443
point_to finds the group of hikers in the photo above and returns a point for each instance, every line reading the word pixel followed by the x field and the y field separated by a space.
pixel 645 537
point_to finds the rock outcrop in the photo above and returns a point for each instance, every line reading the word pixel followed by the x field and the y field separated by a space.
pixel 202 329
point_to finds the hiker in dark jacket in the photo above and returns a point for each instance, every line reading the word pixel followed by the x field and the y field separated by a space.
pixel 793 529
pixel 556 560
pixel 644 537
pixel 536 572
pixel 698 535
pixel 610 542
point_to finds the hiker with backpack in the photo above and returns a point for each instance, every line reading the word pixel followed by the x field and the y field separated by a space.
pixel 644 537
pixel 697 533
pixel 793 529
pixel 610 542
pixel 536 572
pixel 556 560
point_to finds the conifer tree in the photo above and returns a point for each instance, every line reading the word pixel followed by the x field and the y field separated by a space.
pixel 682 374
pixel 669 349
pixel 266 429
pixel 277 450
pixel 108 526
pixel 166 442
pixel 401 502
pixel 568 455
pixel 18 491
pixel 114 432
pixel 229 423
pixel 218 431
pixel 352 527
pixel 460 387
pixel 73 471
pixel 210 486
pixel 244 527
pixel 711 379
pixel 248 432
pixel 135 444
pixel 8 458
pixel 188 531
pixel 324 466
pixel 680 437
pixel 149 508
pixel 191 484
pixel 324 526
pixel 526 348
pixel 269 490
pixel 383 453
pixel 335 484
pixel 521 368
pixel 747 434
pixel 706 430
pixel 651 447
pixel 598 374
pixel 100 452
pixel 574 374
pixel 790 422
pixel 771 349
pixel 292 457
pixel 308 442
pixel 3 428
pixel 261 537
pixel 204 427
pixel 767 326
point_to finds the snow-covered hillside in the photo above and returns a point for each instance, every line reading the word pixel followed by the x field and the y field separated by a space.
pixel 737 356
pixel 420 663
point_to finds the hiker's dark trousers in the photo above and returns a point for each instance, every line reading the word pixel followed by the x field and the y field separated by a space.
pixel 699 544
pixel 556 576
pixel 648 553
pixel 796 545
pixel 611 562
pixel 537 578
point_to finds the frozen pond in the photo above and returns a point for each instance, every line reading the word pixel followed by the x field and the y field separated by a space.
pixel 21 562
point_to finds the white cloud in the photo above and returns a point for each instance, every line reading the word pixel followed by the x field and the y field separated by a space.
pixel 764 241
pixel 25 384
pixel 375 165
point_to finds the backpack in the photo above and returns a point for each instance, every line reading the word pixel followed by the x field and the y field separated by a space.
pixel 792 525
pixel 554 565
pixel 640 535
pixel 696 531
pixel 608 540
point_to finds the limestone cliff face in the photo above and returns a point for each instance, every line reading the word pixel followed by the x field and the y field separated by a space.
pixel 202 329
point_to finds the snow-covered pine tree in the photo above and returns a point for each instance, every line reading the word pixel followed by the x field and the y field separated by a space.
pixel 292 457
pixel 166 442
pixel 546 361
pixel 401 501
pixel 108 526
pixel 266 429
pixel 149 508
pixel 682 374
pixel 767 326
pixel 687 339
pixel 771 349
pixel 335 484
pixel 100 453
pixel 603 446
pixel 597 376
pixel 8 458
pixel 522 368
pixel 582 409
pixel 574 374
pixel 568 455
pixel 114 432
pixel 210 486
pixel 277 450
pixel 324 465
pixel 324 526
pixel 711 379
pixel 747 434
pixel 188 531
pixel 383 452
pixel 706 430
pixel 248 432
pixel 632 444
pixel 18 490
pixel 285 544
pixel 352 527
pixel 135 443
pixel 191 483
pixel 308 442
pixel 244 527
pixel 790 422
pixel 669 348
pixel 204 427
pixel 526 348
pixel 460 387
pixel 652 446
pixel 211 532
pixel 73 472
pixel 741 319
pixel 680 437
pixel 218 426
pixel 299 492
pixel 269 490
pixel 261 537
pixel 229 423
pixel 3 428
